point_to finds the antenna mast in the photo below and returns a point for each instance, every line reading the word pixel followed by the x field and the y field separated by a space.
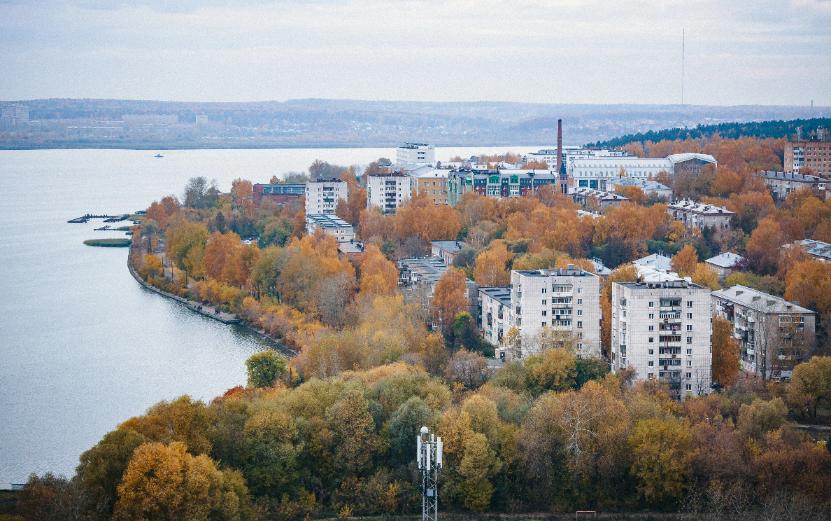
pixel 429 459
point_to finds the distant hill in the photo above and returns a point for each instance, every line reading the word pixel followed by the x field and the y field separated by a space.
pixel 101 123
pixel 759 129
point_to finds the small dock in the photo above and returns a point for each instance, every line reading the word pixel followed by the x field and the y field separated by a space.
pixel 107 218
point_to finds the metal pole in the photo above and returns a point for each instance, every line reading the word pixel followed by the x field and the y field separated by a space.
pixel 429 459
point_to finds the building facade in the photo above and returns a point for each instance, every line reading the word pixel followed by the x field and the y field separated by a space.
pixel 814 154
pixel 497 183
pixel 781 184
pixel 431 183
pixel 596 200
pixel 662 331
pixel 409 154
pixel 700 215
pixel 495 317
pixel 322 196
pixel 278 193
pixel 387 191
pixel 341 230
pixel 447 250
pixel 598 172
pixel 774 335
pixel 562 300
pixel 724 263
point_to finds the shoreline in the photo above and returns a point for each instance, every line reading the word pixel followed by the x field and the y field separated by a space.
pixel 225 318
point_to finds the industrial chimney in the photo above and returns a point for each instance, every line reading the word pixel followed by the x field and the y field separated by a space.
pixel 562 178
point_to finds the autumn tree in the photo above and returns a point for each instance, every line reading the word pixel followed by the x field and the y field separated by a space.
pixel 181 420
pixel 186 246
pixel 379 276
pixel 242 196
pixel 662 456
pixel 467 368
pixel 492 265
pixel 201 194
pixel 264 368
pixel 725 353
pixel 810 386
pixel 763 246
pixel 552 370
pixel 165 482
pixel 449 298
pixel 685 261
pixel 47 498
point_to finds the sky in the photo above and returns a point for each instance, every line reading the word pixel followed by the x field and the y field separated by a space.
pixel 768 52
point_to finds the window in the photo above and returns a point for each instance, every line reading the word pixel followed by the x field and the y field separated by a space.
pixel 652 328
pixel 579 301
pixel 651 304
pixel 689 351
pixel 689 340
pixel 651 376
pixel 689 316
pixel 689 303
pixel 544 302
pixel 651 351
pixel 689 387
pixel 689 375
pixel 579 312
pixel 651 316
pixel 579 290
pixel 651 339
pixel 543 290
pixel 689 363
pixel 689 327
pixel 544 324
pixel 651 363
pixel 544 312
pixel 579 324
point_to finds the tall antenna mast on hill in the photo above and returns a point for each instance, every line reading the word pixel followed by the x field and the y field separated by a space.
pixel 682 65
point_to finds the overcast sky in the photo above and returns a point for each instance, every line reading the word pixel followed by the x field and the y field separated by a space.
pixel 755 52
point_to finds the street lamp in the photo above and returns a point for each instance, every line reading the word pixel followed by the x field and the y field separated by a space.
pixel 429 458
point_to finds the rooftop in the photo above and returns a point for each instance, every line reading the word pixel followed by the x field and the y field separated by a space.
pixel 675 283
pixel 727 259
pixel 326 180
pixel 790 176
pixel 759 301
pixel 570 271
pixel 426 269
pixel 449 246
pixel 645 184
pixel 603 196
pixel 656 260
pixel 680 158
pixel 502 295
pixel 327 221
pixel 688 205
pixel 816 248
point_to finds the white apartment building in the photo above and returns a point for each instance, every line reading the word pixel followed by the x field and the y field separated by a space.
pixel 409 154
pixel 331 224
pixel 387 191
pixel 566 300
pixel 662 330
pixel 549 155
pixel 495 314
pixel 322 196
pixel 700 215
pixel 597 172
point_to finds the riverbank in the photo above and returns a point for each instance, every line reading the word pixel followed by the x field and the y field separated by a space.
pixel 212 312
pixel 108 243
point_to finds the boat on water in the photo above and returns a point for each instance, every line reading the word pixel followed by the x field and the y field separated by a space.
pixel 158 155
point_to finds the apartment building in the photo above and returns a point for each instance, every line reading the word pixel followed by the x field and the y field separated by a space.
pixel 429 182
pixel 497 183
pixel 322 196
pixel 387 191
pixel 781 184
pixel 700 215
pixel 331 224
pixel 495 317
pixel 724 263
pixel 774 335
pixel 596 200
pixel 447 250
pixel 564 300
pixel 409 154
pixel 813 153
pixel 662 330
pixel 280 193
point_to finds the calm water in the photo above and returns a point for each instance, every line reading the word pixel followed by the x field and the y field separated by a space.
pixel 82 345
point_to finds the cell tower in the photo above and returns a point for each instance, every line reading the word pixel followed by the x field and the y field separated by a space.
pixel 429 458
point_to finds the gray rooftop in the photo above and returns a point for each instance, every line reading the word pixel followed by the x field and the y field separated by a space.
pixel 816 248
pixel 759 301
pixel 570 271
pixel 727 259
pixel 449 246
pixel 656 260
pixel 790 176
pixel 688 205
pixel 502 295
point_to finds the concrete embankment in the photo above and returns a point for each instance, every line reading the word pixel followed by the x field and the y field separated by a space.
pixel 211 312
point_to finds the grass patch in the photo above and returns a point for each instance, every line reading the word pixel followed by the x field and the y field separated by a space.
pixel 108 243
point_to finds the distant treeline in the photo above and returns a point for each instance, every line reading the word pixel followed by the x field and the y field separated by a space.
pixel 757 129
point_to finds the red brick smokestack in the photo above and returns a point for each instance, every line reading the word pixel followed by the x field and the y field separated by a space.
pixel 559 145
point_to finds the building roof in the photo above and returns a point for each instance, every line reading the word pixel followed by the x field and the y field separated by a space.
pixel 351 247
pixel 680 158
pixel 790 176
pixel 502 295
pixel 688 205
pixel 656 260
pixel 325 180
pixel 816 248
pixel 570 271
pixel 423 269
pixel 759 301
pixel 647 185
pixel 584 191
pixel 429 172
pixel 664 283
pixel 601 268
pixel 584 213
pixel 327 221
pixel 727 259
pixel 449 246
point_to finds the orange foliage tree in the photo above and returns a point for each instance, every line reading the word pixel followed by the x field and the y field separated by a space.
pixel 379 276
pixel 449 298
pixel 492 265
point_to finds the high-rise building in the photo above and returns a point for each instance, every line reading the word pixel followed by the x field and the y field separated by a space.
pixel 662 330
pixel 387 191
pixel 429 182
pixel 813 153
pixel 322 195
pixel 410 154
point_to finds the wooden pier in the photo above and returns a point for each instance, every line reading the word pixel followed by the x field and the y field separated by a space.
pixel 107 218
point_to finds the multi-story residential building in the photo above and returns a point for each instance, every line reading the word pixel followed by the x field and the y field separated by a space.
pixel 724 263
pixel 322 195
pixel 410 154
pixel 596 200
pixel 564 300
pixel 819 250
pixel 429 182
pixel 418 277
pixel 447 250
pixel 597 172
pixel 781 184
pixel 14 117
pixel 549 155
pixel 813 153
pixel 495 317
pixel 331 224
pixel 700 215
pixel 662 329
pixel 496 183
pixel 280 193
pixel 774 335
pixel 387 191
pixel 649 187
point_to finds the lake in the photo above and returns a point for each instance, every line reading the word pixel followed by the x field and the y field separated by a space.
pixel 83 347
